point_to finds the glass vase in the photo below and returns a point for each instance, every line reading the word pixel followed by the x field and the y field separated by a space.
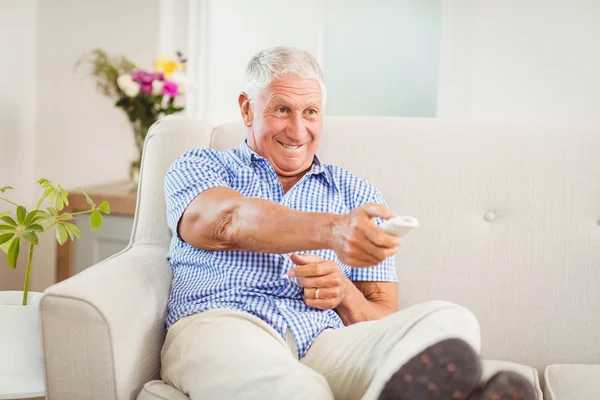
pixel 140 130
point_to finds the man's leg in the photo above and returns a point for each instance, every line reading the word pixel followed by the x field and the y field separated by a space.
pixel 227 354
pixel 358 360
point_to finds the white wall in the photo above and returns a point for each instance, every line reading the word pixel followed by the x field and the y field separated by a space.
pixel 17 111
pixel 521 61
pixel 78 137
pixel 77 126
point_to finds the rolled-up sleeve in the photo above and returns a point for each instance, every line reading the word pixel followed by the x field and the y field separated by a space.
pixel 191 174
pixel 386 270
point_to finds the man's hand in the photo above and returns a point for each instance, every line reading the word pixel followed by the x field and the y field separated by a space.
pixel 358 242
pixel 315 273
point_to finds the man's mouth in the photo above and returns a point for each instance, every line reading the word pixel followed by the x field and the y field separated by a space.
pixel 289 146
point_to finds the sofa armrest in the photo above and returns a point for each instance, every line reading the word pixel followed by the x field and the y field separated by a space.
pixel 103 329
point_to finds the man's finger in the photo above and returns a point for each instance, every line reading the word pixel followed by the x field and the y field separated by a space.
pixel 320 282
pixel 371 253
pixel 381 238
pixel 313 269
pixel 324 293
pixel 378 210
pixel 301 259
pixel 322 304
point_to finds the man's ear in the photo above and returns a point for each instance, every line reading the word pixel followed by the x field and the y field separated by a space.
pixel 246 109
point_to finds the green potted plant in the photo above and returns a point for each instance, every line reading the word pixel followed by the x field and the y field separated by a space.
pixel 20 338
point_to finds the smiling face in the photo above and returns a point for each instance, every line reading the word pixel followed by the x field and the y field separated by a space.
pixel 285 124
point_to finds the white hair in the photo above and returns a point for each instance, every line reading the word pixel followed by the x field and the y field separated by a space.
pixel 275 62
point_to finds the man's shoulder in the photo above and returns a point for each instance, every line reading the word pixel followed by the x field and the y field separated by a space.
pixel 351 185
pixel 206 156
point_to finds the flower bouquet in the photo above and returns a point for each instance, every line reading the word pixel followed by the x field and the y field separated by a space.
pixel 145 96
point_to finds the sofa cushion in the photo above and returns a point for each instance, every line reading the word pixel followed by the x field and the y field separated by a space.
pixel 572 382
pixel 158 390
pixel 490 367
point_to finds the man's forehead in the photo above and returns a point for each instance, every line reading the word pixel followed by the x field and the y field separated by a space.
pixel 313 100
pixel 280 91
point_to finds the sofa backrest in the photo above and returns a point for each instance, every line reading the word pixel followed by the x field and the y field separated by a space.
pixel 510 219
pixel 510 223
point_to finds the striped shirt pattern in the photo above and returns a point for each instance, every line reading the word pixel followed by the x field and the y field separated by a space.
pixel 257 282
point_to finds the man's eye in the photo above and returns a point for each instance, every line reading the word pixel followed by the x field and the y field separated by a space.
pixel 282 110
pixel 312 111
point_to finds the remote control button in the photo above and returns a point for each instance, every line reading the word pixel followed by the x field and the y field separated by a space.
pixel 489 216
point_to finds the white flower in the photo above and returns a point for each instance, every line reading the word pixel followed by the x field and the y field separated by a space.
pixel 128 86
pixel 157 87
pixel 180 79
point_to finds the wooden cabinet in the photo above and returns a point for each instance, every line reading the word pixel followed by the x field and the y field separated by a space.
pixel 112 237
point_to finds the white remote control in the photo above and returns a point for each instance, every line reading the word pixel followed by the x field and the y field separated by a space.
pixel 399 226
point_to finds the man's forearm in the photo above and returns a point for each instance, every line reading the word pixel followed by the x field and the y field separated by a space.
pixel 264 226
pixel 357 308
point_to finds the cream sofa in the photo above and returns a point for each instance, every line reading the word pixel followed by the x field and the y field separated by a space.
pixel 510 228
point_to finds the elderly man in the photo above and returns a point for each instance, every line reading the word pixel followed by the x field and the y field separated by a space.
pixel 284 287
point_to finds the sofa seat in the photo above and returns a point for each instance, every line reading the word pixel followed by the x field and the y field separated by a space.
pixel 158 390
pixel 572 382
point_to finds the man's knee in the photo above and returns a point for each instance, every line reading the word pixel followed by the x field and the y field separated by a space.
pixel 304 383
pixel 457 321
pixel 443 319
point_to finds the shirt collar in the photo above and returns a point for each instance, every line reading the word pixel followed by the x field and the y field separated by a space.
pixel 318 168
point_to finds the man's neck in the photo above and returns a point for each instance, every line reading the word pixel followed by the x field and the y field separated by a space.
pixel 288 182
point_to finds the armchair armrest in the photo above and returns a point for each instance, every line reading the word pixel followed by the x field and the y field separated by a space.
pixel 103 329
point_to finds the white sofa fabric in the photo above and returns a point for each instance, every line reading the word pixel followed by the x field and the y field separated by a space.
pixel 572 382
pixel 510 228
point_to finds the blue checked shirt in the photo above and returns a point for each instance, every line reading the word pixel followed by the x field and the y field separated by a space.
pixel 256 282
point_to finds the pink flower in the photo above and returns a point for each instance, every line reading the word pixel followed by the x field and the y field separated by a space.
pixel 146 88
pixel 145 78
pixel 170 89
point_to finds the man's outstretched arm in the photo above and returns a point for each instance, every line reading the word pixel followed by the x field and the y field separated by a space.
pixel 222 219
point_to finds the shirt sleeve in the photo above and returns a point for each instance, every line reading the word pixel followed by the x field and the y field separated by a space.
pixel 386 270
pixel 191 174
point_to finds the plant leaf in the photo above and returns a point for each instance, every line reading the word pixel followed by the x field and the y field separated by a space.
pixel 7 228
pixel 52 211
pixel 61 234
pixel 35 228
pixel 95 219
pixel 43 182
pixel 72 229
pixel 65 217
pixel 5 237
pixel 21 212
pixel 104 207
pixel 30 217
pixel 31 237
pixel 87 198
pixel 9 221
pixel 13 253
pixel 4 213
pixel 4 247
pixel 5 188
pixel 53 197
pixel 64 195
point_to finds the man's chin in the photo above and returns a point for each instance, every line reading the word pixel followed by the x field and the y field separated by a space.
pixel 290 171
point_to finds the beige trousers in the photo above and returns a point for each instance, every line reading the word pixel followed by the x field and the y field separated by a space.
pixel 227 354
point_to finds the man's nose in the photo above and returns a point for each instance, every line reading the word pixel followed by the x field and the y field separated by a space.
pixel 297 128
